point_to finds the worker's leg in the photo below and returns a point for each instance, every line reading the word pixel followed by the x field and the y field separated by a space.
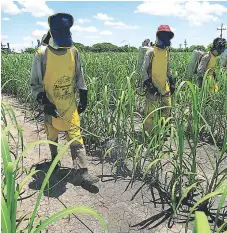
pixel 78 151
pixel 166 112
pixel 52 135
pixel 166 102
pixel 150 105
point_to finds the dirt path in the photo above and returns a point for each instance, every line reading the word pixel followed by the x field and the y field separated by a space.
pixel 109 198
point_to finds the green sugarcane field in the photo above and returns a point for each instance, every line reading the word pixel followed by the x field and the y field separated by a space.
pixel 175 154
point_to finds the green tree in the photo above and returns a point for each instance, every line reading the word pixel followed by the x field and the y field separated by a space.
pixel 104 47
pixel 79 46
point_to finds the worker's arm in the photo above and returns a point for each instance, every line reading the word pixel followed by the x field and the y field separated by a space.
pixel 80 85
pixel 223 60
pixel 202 67
pixel 146 63
pixel 36 78
pixel 79 82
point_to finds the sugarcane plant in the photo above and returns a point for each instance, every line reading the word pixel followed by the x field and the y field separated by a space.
pixel 12 187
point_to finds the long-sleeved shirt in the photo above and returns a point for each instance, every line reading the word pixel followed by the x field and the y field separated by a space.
pixel 223 60
pixel 39 68
pixel 202 66
pixel 147 62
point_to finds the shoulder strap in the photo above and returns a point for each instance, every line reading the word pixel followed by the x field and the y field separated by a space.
pixel 42 51
pixel 74 50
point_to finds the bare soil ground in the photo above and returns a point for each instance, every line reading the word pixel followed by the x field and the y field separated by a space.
pixel 108 197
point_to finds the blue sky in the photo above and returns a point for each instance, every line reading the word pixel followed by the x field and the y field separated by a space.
pixel 23 22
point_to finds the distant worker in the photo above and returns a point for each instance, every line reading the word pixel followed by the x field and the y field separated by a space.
pixel 38 44
pixel 201 61
pixel 142 51
pixel 157 76
pixel 56 77
pixel 223 60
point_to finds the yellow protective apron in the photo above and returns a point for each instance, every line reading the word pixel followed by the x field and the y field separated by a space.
pixel 211 63
pixel 159 70
pixel 159 61
pixel 58 85
pixel 212 83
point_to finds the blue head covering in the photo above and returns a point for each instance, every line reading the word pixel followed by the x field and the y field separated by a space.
pixel 60 25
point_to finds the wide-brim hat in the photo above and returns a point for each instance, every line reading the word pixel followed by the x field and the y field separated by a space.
pixel 60 25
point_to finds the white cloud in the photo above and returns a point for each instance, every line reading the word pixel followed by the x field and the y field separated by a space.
pixel 91 37
pixel 83 21
pixel 38 34
pixel 121 25
pixel 106 33
pixel 84 29
pixel 43 24
pixel 28 39
pixel 36 8
pixel 9 7
pixel 3 37
pixel 6 19
pixel 103 17
pixel 173 29
pixel 195 12
pixel 27 42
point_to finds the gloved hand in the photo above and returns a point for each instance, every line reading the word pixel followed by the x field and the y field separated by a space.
pixel 151 88
pixel 172 89
pixel 42 98
pixel 83 101
pixel 172 83
pixel 147 82
pixel 50 109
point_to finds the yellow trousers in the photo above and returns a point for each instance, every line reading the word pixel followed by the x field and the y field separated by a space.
pixel 78 151
pixel 73 132
pixel 153 102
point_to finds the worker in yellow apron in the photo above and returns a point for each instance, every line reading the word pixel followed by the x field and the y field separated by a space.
pixel 158 78
pixel 208 62
pixel 56 77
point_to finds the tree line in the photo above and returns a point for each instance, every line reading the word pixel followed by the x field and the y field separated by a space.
pixel 108 47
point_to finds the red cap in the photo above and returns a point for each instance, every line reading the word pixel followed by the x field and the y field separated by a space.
pixel 165 28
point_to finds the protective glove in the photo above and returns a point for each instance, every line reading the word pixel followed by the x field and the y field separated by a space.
pixel 42 98
pixel 49 108
pixel 147 83
pixel 172 83
pixel 83 101
pixel 172 89
pixel 151 88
